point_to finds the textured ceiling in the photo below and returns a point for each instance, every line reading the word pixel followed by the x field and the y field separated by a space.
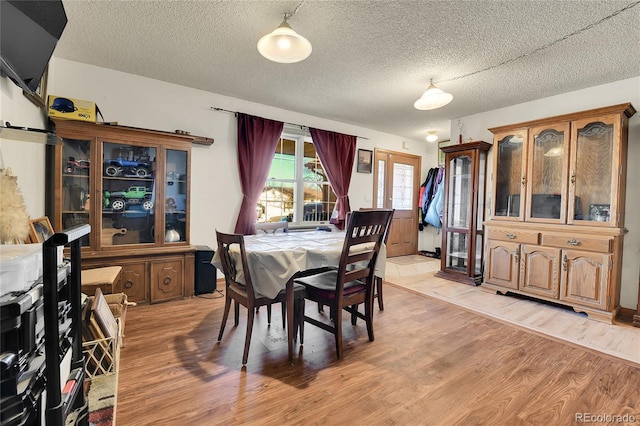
pixel 371 60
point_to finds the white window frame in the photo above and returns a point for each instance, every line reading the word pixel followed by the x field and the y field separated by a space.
pixel 300 137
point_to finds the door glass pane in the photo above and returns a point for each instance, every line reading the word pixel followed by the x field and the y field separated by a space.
pixel 76 202
pixel 175 195
pixel 381 180
pixel 460 192
pixel 481 189
pixel 508 179
pixel 546 176
pixel 594 159
pixel 128 198
pixel 402 198
pixel 457 250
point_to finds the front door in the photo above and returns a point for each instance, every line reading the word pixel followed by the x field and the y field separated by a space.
pixel 396 179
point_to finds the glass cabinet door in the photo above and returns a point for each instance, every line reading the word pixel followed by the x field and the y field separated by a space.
pixel 509 174
pixel 175 196
pixel 547 173
pixel 76 184
pixel 128 194
pixel 591 181
pixel 459 208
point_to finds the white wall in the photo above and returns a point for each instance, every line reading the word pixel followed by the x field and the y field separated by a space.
pixel 137 101
pixel 475 126
pixel 26 159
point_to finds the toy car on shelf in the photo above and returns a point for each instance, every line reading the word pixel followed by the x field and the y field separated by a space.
pixel 77 166
pixel 121 167
pixel 135 195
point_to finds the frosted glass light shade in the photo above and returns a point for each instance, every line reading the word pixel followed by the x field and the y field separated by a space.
pixel 433 98
pixel 432 136
pixel 284 45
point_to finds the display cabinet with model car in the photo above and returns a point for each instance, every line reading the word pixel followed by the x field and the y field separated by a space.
pixel 462 230
pixel 557 226
pixel 132 186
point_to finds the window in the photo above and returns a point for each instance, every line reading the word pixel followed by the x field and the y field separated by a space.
pixel 297 189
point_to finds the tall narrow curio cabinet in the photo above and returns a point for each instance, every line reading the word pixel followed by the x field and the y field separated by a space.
pixel 557 226
pixel 132 186
pixel 462 233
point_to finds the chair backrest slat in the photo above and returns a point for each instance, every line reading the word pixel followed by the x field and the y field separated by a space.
pixel 226 245
pixel 364 237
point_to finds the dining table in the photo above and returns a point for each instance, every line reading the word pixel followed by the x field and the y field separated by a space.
pixel 275 260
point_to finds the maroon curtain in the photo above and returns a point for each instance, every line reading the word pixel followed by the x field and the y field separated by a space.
pixel 336 152
pixel 257 141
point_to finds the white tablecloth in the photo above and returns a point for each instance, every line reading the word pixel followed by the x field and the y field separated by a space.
pixel 274 258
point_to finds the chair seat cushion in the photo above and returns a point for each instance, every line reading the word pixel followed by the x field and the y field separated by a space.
pixel 324 285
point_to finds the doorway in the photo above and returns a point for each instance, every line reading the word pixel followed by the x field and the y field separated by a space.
pixel 396 180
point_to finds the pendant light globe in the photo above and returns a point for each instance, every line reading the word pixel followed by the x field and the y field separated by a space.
pixel 284 45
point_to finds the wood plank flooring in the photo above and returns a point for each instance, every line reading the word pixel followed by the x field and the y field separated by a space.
pixel 416 273
pixel 431 363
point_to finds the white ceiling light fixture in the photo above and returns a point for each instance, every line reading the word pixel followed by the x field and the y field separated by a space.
pixel 433 98
pixel 432 136
pixel 283 44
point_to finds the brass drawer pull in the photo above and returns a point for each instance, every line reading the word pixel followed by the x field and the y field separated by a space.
pixel 573 242
pixel 128 284
pixel 510 236
pixel 167 280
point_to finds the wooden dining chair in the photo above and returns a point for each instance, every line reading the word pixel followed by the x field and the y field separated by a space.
pixel 271 227
pixel 244 293
pixel 351 284
pixel 378 280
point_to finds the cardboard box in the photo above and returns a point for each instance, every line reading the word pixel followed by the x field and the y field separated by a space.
pixel 73 109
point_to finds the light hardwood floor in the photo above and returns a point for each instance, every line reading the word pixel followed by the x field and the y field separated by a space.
pixel 432 363
pixel 417 273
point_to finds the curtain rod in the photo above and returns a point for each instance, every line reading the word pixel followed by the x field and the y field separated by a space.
pixel 301 126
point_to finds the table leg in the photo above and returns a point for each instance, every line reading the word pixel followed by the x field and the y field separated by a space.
pixel 290 313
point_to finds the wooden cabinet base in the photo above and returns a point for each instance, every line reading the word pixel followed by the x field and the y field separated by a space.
pixel 151 276
pixel 594 314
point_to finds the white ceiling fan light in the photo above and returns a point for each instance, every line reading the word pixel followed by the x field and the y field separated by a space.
pixel 433 98
pixel 284 45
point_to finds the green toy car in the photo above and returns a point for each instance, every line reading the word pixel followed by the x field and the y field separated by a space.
pixel 135 195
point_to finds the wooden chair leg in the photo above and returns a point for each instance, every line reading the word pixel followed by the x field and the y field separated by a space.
pixel 337 322
pixel 379 290
pixel 301 304
pixel 368 315
pixel 283 307
pixel 236 313
pixel 247 339
pixel 227 306
pixel 354 318
pixel 269 314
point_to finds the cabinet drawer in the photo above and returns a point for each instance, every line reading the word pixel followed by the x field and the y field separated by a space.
pixel 603 245
pixel 515 235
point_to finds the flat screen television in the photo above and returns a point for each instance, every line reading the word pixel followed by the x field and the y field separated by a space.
pixel 29 32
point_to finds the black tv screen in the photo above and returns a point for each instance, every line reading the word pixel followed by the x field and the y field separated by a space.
pixel 29 32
